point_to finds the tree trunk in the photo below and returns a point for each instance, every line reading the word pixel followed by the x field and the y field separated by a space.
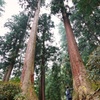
pixel 7 73
pixel 81 84
pixel 42 83
pixel 27 77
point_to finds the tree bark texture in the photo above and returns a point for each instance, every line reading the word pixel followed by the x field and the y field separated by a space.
pixel 27 77
pixel 80 83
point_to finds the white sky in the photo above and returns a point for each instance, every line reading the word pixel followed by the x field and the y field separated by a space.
pixel 11 8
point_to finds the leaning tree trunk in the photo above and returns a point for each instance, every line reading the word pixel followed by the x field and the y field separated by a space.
pixel 7 73
pixel 81 84
pixel 9 69
pixel 27 77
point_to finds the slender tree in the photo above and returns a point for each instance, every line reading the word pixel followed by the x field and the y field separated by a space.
pixel 81 86
pixel 44 50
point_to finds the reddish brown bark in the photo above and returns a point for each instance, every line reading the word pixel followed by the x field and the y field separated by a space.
pixel 78 69
pixel 28 68
pixel 80 83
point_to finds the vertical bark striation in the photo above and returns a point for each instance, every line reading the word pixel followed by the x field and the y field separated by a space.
pixel 28 68
pixel 80 83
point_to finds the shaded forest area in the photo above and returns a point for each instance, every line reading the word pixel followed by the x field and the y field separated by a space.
pixel 33 67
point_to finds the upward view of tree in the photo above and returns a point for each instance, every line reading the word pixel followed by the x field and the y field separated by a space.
pixel 77 66
pixel 47 68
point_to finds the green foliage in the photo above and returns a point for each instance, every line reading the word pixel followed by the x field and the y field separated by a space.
pixel 44 47
pixel 8 90
pixel 15 79
pixel 13 42
pixel 1 6
pixel 62 34
pixel 46 52
pixel 66 69
pixel 1 2
pixel 86 6
pixel 30 4
pixel 93 65
pixel 20 97
pixel 86 30
pixel 53 89
pixel 57 6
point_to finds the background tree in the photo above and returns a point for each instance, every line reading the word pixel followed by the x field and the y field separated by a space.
pixel 44 50
pixel 12 44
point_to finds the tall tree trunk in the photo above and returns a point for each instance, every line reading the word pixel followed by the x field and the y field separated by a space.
pixel 42 83
pixel 27 77
pixel 7 73
pixel 81 86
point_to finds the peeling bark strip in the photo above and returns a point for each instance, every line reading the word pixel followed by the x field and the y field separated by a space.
pixel 28 68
